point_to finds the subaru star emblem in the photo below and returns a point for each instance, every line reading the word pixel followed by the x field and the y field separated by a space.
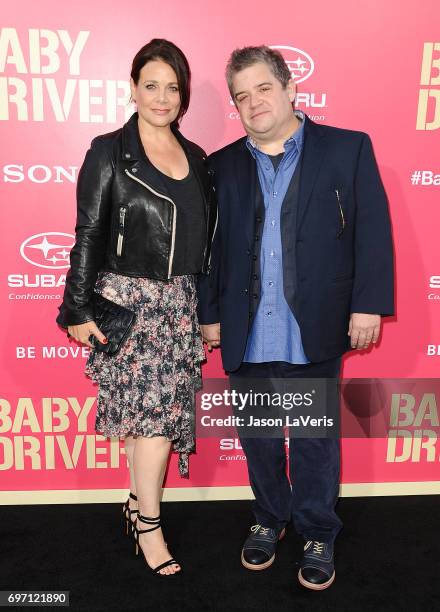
pixel 48 250
pixel 299 62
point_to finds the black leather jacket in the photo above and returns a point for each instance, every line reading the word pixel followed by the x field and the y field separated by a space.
pixel 126 221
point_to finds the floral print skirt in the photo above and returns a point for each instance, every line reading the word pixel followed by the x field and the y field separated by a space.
pixel 148 387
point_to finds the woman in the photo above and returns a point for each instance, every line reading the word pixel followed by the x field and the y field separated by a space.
pixel 146 216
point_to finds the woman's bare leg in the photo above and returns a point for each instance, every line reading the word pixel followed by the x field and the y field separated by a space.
pixel 129 443
pixel 149 461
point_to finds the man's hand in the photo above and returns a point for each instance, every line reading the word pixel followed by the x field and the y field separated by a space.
pixel 211 335
pixel 363 330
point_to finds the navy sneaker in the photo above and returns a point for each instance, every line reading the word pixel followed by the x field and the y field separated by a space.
pixel 258 552
pixel 317 570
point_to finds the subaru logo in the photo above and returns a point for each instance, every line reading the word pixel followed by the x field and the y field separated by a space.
pixel 299 62
pixel 48 250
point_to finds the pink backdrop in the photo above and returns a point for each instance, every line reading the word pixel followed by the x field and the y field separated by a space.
pixel 369 65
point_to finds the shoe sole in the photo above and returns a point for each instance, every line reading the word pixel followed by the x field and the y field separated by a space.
pixel 313 586
pixel 261 566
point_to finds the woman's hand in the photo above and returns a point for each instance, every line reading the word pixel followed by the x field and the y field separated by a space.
pixel 211 335
pixel 81 333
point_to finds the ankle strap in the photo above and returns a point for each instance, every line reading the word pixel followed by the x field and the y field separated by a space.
pixel 155 521
pixel 149 520
pixel 133 496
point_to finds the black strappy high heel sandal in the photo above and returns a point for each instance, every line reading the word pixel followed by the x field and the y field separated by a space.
pixel 126 513
pixel 155 524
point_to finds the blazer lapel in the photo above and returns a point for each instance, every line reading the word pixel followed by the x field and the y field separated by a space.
pixel 246 176
pixel 315 146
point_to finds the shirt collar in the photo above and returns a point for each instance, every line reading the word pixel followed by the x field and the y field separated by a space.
pixel 296 139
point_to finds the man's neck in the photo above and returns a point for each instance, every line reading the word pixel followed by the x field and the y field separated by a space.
pixel 275 145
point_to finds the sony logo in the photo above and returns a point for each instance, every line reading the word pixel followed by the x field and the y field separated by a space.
pixel 38 173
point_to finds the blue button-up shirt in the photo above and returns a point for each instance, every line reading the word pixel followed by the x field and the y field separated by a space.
pixel 275 333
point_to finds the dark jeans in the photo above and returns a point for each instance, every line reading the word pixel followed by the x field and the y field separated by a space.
pixel 313 463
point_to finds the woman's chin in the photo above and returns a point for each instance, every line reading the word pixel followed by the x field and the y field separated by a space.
pixel 156 120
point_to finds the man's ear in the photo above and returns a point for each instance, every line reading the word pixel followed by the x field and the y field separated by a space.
pixel 291 89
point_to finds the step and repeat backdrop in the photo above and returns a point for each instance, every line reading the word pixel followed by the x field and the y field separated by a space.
pixel 64 78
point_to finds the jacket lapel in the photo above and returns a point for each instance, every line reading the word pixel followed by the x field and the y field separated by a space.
pixel 315 146
pixel 246 177
pixel 138 164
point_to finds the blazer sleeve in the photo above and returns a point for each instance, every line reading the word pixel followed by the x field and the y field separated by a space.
pixel 92 231
pixel 373 289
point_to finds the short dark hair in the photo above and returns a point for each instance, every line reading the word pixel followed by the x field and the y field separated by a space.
pixel 248 56
pixel 168 52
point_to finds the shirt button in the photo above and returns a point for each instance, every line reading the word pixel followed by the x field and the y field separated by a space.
pixel 258 219
pixel 270 283
pixel 273 222
pixel 127 156
pixel 248 252
pixel 255 277
pixel 269 314
pixel 255 258
pixel 272 253
pixel 275 193
pixel 256 238
pixel 251 315
pixel 255 296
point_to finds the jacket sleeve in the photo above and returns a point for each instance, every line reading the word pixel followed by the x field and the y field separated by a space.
pixel 92 231
pixel 208 284
pixel 373 289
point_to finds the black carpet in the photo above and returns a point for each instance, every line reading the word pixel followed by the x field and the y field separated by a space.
pixel 387 558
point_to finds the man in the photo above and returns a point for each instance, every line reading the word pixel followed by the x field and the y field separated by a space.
pixel 302 269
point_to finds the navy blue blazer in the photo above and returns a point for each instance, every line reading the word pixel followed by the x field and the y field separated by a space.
pixel 342 244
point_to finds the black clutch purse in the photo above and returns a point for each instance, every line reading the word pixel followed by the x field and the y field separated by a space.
pixel 114 321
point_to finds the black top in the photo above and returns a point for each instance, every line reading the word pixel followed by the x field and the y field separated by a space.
pixel 276 159
pixel 190 223
pixel 190 219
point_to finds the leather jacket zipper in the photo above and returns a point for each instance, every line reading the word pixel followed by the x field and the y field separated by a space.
pixel 173 232
pixel 122 213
